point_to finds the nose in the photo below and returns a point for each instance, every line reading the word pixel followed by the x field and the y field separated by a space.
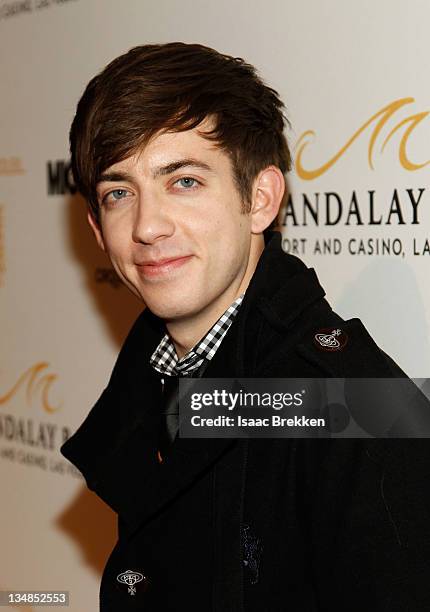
pixel 152 221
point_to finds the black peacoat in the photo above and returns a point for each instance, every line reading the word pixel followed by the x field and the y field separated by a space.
pixel 268 525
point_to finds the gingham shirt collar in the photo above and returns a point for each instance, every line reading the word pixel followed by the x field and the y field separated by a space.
pixel 165 360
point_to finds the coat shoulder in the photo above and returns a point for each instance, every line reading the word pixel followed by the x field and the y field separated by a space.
pixel 347 350
pixel 322 344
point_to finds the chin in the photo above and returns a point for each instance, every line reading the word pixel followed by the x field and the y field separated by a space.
pixel 170 310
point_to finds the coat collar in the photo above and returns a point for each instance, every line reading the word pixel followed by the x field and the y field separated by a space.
pixel 280 290
pixel 115 447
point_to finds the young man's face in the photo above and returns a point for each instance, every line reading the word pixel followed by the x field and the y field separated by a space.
pixel 171 223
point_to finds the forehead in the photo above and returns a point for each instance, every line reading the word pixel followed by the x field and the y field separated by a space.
pixel 164 149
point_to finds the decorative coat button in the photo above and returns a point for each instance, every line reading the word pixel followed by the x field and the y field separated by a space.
pixel 131 579
pixel 330 339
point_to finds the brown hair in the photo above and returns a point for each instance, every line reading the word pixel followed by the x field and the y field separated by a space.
pixel 174 87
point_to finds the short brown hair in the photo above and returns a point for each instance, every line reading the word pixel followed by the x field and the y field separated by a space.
pixel 174 87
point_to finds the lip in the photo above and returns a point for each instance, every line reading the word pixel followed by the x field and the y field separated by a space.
pixel 152 269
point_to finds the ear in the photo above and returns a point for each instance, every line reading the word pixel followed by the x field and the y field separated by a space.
pixel 96 229
pixel 268 189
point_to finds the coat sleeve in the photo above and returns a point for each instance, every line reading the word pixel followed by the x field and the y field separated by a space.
pixel 368 500
pixel 369 517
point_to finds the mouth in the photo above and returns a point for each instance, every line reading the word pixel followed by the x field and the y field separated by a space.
pixel 162 267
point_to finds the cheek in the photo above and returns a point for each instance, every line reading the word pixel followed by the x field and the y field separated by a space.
pixel 225 220
pixel 113 249
pixel 228 242
pixel 115 240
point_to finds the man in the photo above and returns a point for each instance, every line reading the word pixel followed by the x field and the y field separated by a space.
pixel 181 155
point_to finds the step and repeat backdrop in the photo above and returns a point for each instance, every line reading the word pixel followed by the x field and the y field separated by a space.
pixel 354 77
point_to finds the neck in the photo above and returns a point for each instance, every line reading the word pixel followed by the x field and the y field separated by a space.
pixel 187 331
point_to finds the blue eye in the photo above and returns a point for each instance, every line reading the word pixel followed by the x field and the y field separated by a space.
pixel 187 182
pixel 114 196
pixel 118 194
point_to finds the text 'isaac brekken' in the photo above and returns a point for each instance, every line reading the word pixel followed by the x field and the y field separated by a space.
pixel 240 421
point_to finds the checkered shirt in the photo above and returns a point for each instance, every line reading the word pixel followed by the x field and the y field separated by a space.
pixel 165 360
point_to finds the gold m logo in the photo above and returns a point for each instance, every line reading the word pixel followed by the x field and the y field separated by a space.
pixel 379 119
pixel 37 383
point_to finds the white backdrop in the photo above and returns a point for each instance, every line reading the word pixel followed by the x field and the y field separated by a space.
pixel 337 65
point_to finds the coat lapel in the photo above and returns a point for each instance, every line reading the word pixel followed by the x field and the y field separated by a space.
pixel 116 446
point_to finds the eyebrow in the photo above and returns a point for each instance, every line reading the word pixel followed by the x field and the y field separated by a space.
pixel 180 163
pixel 115 176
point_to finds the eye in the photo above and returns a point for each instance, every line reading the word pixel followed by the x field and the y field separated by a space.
pixel 115 195
pixel 118 194
pixel 187 182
